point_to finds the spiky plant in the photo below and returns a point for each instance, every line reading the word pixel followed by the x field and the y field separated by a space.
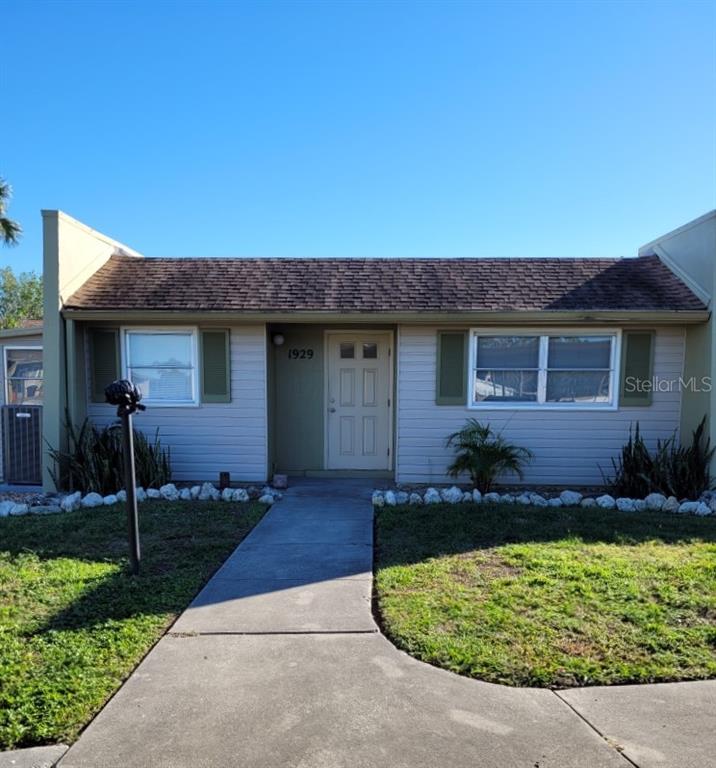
pixel 672 469
pixel 484 455
pixel 94 460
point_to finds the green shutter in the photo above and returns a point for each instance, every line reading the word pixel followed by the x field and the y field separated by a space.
pixel 451 384
pixel 104 357
pixel 637 368
pixel 215 366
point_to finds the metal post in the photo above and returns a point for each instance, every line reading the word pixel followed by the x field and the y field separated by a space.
pixel 129 484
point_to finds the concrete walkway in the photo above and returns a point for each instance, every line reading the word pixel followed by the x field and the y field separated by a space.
pixel 278 662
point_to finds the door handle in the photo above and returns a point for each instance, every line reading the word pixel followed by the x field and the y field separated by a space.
pixel 331 410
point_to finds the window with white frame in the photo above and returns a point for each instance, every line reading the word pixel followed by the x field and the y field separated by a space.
pixel 543 369
pixel 163 364
pixel 23 375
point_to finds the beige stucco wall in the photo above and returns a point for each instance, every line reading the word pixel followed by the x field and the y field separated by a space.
pixel 690 252
pixel 72 252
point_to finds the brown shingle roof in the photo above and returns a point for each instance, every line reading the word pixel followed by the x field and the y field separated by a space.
pixel 383 285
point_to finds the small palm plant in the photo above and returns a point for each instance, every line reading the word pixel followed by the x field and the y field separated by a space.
pixel 484 455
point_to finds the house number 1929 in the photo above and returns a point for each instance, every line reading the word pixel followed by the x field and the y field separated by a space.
pixel 300 354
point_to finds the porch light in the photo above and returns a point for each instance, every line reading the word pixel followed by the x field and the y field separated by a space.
pixel 278 339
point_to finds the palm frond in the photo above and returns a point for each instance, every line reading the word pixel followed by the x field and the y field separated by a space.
pixel 10 231
pixel 484 455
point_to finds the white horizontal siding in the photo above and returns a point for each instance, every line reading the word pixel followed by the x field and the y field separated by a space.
pixel 215 437
pixel 569 446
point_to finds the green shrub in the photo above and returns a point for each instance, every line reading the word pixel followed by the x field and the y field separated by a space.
pixel 94 460
pixel 484 455
pixel 673 469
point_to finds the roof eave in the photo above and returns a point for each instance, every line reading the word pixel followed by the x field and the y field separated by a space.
pixel 20 332
pixel 557 317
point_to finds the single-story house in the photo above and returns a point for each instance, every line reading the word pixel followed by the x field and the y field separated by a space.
pixel 364 366
pixel 21 397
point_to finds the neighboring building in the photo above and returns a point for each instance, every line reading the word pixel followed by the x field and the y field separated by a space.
pixel 343 366
pixel 21 397
pixel 690 252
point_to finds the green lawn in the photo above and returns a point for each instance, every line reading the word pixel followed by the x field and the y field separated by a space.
pixel 549 597
pixel 74 623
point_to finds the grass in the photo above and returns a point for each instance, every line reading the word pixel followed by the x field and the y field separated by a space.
pixel 74 623
pixel 549 597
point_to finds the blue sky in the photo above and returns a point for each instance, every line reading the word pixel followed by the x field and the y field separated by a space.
pixel 360 129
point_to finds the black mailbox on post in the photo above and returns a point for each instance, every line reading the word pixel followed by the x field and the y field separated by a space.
pixel 126 397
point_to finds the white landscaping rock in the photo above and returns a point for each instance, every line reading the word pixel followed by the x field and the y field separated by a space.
pixel 538 501
pixel 640 505
pixel 451 495
pixel 5 507
pixel 695 508
pixel 122 496
pixel 476 496
pixel 570 498
pixel 240 495
pixel 377 499
pixel 208 492
pixel 109 500
pixel 525 499
pixel 655 501
pixel 671 505
pixel 625 505
pixel 401 497
pixel 507 498
pixel 266 499
pixel 390 500
pixel 227 494
pixel 432 496
pixel 92 500
pixel 194 491
pixel 169 492
pixel 491 498
pixel 587 503
pixel 140 494
pixel 45 509
pixel 153 493
pixel 556 502
pixel 606 501
pixel 18 510
pixel 415 498
pixel 466 497
pixel 71 502
pixel 185 494
pixel 688 507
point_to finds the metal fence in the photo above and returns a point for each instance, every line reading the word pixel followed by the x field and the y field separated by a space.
pixel 22 443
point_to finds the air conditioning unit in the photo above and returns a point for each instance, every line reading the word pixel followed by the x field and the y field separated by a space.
pixel 22 444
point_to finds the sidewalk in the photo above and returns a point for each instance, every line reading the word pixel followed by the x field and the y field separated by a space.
pixel 278 662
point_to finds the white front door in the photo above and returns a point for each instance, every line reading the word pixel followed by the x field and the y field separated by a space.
pixel 358 401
